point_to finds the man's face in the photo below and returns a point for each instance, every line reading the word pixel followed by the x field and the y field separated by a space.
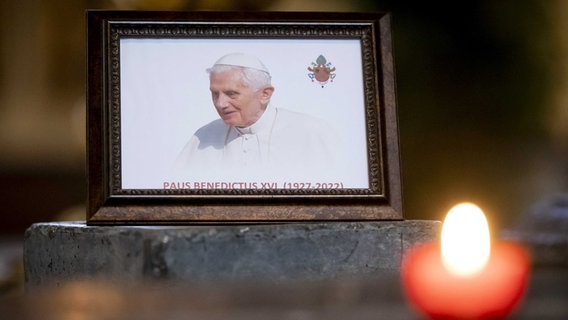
pixel 237 104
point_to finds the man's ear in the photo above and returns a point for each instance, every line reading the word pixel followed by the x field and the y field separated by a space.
pixel 266 93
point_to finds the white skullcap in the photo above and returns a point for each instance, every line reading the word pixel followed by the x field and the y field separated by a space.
pixel 242 60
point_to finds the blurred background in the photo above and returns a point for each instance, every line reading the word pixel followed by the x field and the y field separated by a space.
pixel 482 97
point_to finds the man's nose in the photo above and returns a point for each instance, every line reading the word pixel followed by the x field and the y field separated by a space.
pixel 222 101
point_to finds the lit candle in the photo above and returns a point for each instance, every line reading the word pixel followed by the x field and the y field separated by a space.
pixel 466 277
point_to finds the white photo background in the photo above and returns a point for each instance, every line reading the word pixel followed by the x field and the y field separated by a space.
pixel 165 98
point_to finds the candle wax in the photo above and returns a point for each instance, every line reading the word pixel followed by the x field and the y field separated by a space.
pixel 492 293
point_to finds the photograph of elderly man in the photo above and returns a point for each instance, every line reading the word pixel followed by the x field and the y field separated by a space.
pixel 252 138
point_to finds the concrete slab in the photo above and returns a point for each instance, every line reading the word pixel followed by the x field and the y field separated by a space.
pixel 62 251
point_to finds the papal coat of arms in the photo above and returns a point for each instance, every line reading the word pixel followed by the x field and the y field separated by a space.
pixel 321 71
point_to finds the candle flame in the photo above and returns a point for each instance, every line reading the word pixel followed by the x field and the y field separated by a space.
pixel 465 240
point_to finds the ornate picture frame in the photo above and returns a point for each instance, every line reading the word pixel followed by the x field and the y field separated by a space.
pixel 151 90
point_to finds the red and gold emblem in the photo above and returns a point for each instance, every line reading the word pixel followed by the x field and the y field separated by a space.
pixel 321 71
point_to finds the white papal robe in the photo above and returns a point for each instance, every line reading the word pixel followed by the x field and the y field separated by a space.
pixel 282 146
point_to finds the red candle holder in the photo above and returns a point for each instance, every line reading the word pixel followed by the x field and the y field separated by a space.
pixel 492 293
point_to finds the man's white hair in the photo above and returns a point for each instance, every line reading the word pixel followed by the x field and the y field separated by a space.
pixel 255 79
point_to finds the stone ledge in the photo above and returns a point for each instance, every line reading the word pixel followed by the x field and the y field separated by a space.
pixel 62 251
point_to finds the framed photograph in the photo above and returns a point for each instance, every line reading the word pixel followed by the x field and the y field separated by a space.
pixel 226 117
